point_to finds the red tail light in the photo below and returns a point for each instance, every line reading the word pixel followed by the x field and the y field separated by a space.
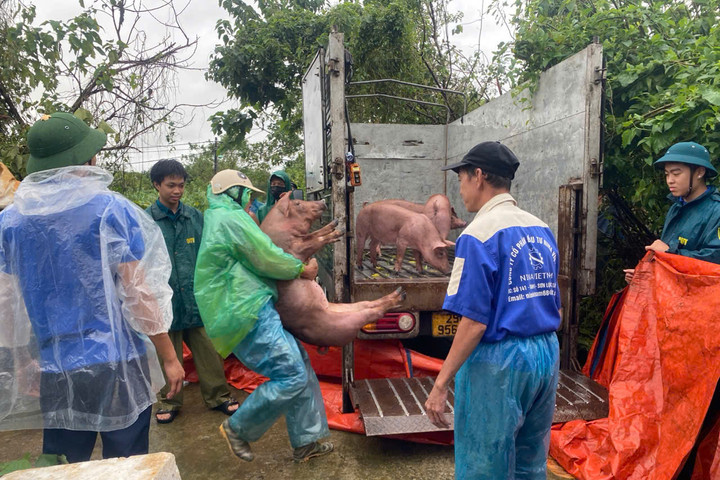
pixel 395 322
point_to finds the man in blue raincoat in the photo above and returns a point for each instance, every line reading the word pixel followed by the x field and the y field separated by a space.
pixel 504 284
pixel 235 276
pixel 84 296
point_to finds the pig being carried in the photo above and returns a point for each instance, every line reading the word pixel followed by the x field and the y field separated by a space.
pixel 303 308
pixel 385 223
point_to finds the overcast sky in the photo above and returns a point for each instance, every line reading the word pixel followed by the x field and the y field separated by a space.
pixel 199 20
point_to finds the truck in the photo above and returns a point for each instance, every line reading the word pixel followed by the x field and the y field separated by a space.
pixel 556 132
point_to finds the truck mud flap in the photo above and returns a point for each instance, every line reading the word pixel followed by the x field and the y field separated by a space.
pixel 390 406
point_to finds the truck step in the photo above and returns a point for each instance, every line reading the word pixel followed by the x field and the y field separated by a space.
pixel 397 405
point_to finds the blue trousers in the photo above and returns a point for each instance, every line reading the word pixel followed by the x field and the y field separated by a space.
pixel 78 445
pixel 292 389
pixel 504 404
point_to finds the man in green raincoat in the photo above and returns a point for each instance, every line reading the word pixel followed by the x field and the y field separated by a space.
pixel 181 226
pixel 235 289
pixel 278 183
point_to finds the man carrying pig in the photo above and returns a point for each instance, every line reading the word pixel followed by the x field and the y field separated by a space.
pixel 235 289
pixel 505 352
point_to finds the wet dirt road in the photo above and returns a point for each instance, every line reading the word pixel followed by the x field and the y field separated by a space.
pixel 201 453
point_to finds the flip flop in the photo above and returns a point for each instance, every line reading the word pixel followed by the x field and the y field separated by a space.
pixel 225 406
pixel 172 413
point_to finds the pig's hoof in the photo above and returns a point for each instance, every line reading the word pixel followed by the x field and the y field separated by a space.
pixel 360 267
pixel 335 222
pixel 401 291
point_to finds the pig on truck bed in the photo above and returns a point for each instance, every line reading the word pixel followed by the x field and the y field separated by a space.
pixel 388 224
pixel 437 209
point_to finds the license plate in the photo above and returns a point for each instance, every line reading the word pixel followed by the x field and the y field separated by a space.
pixel 444 324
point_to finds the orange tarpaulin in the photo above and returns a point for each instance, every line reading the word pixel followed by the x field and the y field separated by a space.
pixel 8 185
pixel 662 362
pixel 373 359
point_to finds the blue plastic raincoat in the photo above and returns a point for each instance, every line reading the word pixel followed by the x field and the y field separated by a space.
pixel 83 283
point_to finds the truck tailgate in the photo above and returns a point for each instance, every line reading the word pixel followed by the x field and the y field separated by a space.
pixel 391 406
pixel 425 291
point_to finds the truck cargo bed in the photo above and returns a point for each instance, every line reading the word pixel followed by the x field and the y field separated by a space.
pixel 425 291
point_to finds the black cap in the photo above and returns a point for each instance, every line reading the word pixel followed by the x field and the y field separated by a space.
pixel 491 157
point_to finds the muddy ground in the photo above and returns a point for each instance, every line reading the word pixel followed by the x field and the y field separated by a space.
pixel 202 454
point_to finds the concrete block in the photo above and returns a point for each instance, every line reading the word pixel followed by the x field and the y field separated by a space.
pixel 154 466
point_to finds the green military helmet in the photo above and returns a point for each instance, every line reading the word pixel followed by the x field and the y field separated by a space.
pixel 61 140
pixel 690 153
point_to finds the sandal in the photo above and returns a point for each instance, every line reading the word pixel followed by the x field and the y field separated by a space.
pixel 225 406
pixel 172 413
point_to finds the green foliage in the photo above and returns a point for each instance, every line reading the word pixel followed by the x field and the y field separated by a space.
pixel 199 165
pixel 44 460
pixel 663 86
pixel 264 52
pixel 77 66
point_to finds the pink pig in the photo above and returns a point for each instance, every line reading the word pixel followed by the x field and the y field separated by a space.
pixel 437 209
pixel 390 224
pixel 303 308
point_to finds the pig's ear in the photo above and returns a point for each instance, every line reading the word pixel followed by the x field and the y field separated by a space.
pixel 449 243
pixel 281 206
pixel 440 247
pixel 284 194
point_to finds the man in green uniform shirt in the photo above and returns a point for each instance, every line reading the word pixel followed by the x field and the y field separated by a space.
pixel 181 226
pixel 692 225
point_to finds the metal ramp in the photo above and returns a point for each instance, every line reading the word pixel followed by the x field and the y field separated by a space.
pixel 390 406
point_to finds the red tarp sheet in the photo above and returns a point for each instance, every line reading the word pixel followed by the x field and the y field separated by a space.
pixel 373 359
pixel 660 357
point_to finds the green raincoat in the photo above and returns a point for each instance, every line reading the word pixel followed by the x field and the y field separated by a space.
pixel 182 237
pixel 236 271
pixel 263 211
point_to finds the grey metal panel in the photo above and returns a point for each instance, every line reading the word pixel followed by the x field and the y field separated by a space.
pixel 579 397
pixel 556 137
pixel 392 406
pixel 398 161
pixel 314 125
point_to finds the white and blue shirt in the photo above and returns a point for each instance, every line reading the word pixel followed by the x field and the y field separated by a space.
pixel 505 273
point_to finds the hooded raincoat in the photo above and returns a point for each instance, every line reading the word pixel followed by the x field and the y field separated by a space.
pixel 236 271
pixel 270 202
pixel 83 282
